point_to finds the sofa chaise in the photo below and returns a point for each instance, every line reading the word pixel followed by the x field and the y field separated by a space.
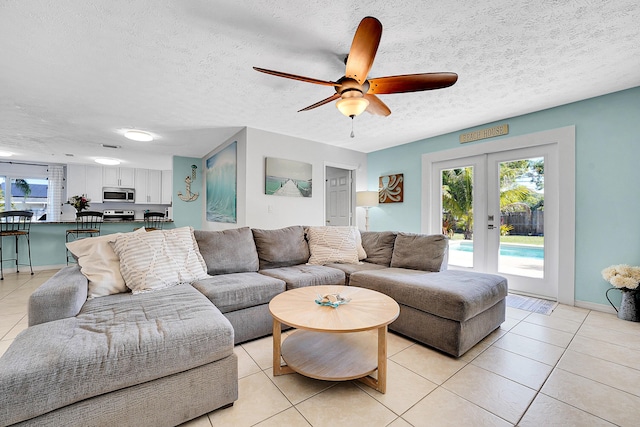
pixel 118 358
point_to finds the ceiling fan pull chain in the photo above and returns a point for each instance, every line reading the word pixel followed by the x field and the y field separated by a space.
pixel 352 134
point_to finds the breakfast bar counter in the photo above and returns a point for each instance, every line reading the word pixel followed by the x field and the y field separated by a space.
pixel 48 240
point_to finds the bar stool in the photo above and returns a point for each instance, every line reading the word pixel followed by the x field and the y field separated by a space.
pixel 87 225
pixel 15 223
pixel 153 221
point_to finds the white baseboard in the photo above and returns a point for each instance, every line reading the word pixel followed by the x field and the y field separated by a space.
pixel 605 308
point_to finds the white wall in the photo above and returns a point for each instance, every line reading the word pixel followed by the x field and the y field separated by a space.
pixel 269 212
pixel 258 210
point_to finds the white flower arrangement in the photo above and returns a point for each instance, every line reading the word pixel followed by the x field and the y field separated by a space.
pixel 622 276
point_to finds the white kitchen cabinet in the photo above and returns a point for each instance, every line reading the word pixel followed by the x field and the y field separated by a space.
pixel 84 179
pixel 167 187
pixel 118 177
pixel 148 186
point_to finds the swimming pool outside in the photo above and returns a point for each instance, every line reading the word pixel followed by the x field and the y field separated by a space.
pixel 506 249
pixel 521 260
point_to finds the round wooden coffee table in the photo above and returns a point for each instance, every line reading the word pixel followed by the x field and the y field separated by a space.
pixel 332 343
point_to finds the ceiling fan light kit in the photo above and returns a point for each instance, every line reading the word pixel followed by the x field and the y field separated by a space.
pixel 354 92
pixel 352 107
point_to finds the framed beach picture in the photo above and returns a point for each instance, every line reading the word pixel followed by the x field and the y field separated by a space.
pixel 287 178
pixel 221 185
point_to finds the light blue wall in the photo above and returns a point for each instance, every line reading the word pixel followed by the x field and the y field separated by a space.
pixel 607 181
pixel 187 213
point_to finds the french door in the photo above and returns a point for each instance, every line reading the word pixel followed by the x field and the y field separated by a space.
pixel 501 211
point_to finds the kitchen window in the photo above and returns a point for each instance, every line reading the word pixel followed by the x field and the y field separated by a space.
pixel 24 187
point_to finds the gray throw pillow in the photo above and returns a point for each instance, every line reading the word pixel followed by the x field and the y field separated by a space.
pixel 419 251
pixel 283 247
pixel 228 251
pixel 379 246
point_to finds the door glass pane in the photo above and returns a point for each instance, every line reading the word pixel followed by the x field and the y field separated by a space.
pixel 522 217
pixel 457 214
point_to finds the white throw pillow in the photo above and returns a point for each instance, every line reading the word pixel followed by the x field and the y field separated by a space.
pixel 100 264
pixel 362 254
pixel 159 259
pixel 332 244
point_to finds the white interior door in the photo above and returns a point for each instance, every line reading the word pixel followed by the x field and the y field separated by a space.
pixel 338 193
pixel 501 211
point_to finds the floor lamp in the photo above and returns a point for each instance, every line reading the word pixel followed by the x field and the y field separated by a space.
pixel 366 199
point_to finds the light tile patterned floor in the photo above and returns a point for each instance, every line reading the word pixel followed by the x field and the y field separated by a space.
pixel 573 368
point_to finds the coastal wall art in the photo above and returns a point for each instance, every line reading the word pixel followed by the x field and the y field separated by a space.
pixel 288 178
pixel 221 185
pixel 391 188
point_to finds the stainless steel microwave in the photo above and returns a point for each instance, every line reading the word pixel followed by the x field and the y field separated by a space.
pixel 117 194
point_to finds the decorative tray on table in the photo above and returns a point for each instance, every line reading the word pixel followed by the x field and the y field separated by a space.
pixel 331 300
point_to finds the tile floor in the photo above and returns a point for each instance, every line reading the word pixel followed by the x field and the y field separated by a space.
pixel 573 368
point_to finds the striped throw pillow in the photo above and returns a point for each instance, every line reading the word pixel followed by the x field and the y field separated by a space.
pixel 159 259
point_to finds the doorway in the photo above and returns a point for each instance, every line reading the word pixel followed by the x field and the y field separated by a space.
pixel 338 196
pixel 500 212
pixel 500 203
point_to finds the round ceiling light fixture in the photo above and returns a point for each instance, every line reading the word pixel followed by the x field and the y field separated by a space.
pixel 138 135
pixel 108 162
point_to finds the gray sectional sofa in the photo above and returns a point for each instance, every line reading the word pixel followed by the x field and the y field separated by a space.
pixel 164 357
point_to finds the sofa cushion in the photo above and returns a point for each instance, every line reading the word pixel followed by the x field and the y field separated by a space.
pixel 228 251
pixel 419 251
pixel 379 246
pixel 115 342
pixel 230 292
pixel 452 294
pixel 100 264
pixel 352 268
pixel 299 276
pixel 159 259
pixel 332 244
pixel 282 247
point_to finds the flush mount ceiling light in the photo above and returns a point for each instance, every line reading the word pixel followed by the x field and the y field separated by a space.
pixel 138 135
pixel 5 154
pixel 108 162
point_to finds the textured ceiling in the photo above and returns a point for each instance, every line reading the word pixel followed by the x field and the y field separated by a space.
pixel 74 73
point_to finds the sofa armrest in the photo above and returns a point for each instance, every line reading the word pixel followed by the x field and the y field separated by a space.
pixel 62 296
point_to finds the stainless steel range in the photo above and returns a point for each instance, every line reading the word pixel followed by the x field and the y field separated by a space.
pixel 118 215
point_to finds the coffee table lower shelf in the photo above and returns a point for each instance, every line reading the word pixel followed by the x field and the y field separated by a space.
pixel 331 357
pixel 335 357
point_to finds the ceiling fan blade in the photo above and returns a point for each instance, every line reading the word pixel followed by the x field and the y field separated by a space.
pixel 363 49
pixel 411 83
pixel 324 101
pixel 295 77
pixel 376 106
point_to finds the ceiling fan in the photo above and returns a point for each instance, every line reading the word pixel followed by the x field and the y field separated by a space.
pixel 354 92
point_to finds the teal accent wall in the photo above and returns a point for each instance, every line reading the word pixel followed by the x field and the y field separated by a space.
pixel 187 213
pixel 607 181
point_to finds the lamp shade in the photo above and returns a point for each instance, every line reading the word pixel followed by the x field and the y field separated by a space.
pixel 366 198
